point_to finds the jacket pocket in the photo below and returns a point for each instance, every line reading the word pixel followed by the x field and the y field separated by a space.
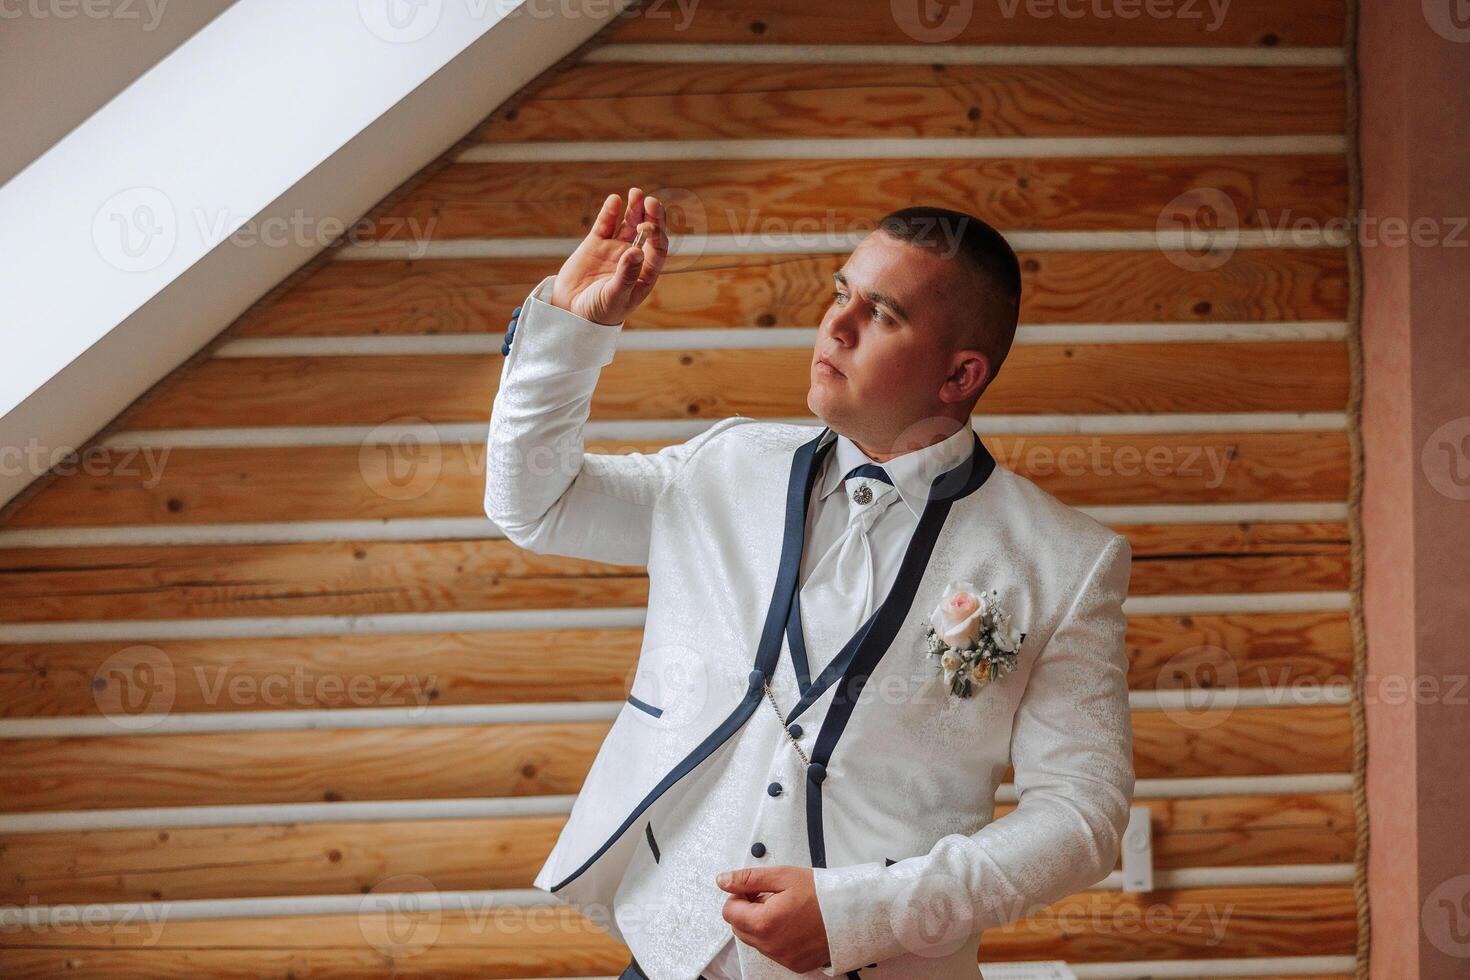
pixel 645 706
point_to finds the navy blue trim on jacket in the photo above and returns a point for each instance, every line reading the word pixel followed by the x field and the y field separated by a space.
pixel 645 706
pixel 804 465
pixel 855 662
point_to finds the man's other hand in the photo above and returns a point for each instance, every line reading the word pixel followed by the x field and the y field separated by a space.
pixel 775 910
pixel 606 278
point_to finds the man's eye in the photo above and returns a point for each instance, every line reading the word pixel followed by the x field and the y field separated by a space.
pixel 878 314
pixel 837 296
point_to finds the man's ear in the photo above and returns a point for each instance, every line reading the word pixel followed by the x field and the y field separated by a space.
pixel 968 376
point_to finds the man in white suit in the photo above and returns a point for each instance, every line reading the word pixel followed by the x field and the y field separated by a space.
pixel 831 684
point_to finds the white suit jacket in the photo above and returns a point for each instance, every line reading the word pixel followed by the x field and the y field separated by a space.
pixel 897 801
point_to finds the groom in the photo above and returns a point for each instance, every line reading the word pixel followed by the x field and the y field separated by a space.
pixel 851 630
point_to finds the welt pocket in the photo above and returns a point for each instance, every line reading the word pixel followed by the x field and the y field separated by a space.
pixel 643 705
pixel 652 844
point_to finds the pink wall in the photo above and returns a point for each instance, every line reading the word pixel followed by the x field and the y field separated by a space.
pixel 1414 63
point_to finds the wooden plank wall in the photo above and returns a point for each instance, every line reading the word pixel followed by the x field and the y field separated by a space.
pixel 266 669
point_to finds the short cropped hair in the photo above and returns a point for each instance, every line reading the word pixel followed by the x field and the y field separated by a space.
pixel 988 326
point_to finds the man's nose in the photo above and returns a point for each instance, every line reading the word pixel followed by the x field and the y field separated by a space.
pixel 843 327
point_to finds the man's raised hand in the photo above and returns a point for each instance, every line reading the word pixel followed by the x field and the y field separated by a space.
pixel 607 277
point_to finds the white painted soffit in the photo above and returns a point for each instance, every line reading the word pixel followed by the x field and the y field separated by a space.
pixel 151 226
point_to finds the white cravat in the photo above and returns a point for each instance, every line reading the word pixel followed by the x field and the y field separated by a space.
pixel 839 593
pixel 832 526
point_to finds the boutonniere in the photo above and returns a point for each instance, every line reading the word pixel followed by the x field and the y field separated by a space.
pixel 973 637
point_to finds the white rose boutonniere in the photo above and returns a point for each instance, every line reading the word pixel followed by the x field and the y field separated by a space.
pixel 973 637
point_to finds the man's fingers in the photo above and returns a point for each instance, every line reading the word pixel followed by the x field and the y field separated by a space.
pixel 659 236
pixel 617 289
pixel 606 224
pixel 635 214
pixel 751 880
pixel 630 264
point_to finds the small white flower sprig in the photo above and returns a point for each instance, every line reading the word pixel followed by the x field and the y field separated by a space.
pixel 973 637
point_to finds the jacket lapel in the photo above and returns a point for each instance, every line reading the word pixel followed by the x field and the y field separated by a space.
pixel 805 464
pixel 854 664
pixel 872 639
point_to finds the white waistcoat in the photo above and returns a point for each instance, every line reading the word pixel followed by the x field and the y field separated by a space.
pixel 894 813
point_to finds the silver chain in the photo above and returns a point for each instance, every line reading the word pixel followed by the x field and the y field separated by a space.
pixel 765 682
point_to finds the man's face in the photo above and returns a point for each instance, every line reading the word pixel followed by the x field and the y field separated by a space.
pixel 885 335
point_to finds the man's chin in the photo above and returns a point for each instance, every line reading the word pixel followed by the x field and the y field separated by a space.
pixel 825 408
